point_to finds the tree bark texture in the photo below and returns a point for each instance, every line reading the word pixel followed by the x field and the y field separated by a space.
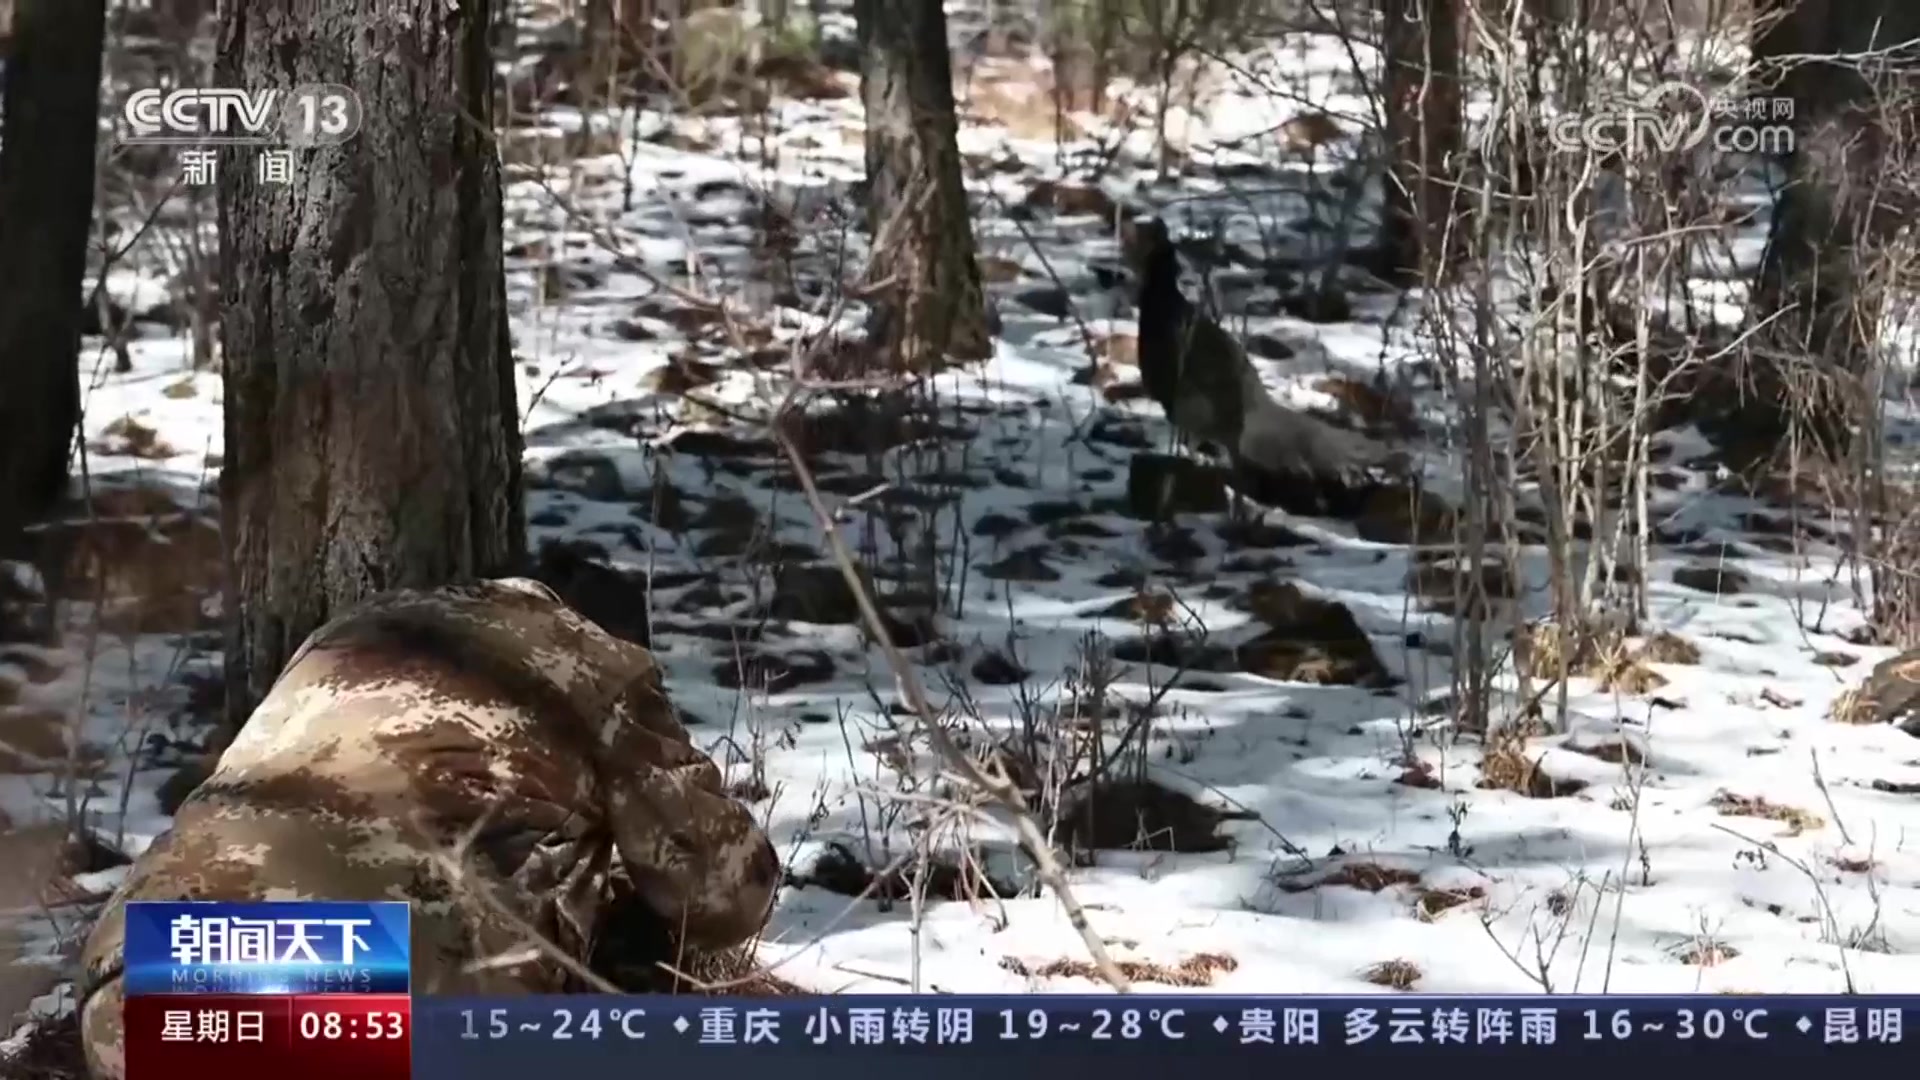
pixel 372 437
pixel 52 110
pixel 917 209
pixel 1817 379
pixel 1421 94
pixel 1833 210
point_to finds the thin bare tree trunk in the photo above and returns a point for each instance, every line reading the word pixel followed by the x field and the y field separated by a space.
pixel 372 439
pixel 1421 94
pixel 603 54
pixel 922 229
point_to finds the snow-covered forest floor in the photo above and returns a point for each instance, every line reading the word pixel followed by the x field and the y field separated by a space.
pixel 1702 825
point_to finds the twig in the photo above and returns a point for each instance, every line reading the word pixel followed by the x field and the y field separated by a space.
pixel 453 866
pixel 998 789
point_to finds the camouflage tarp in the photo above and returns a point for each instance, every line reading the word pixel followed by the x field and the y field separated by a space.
pixel 490 713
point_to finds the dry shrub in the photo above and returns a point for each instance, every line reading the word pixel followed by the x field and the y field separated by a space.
pixel 1155 607
pixel 1365 876
pixel 1630 676
pixel 1758 806
pixel 733 972
pixel 1430 904
pixel 1309 131
pixel 1544 649
pixel 1708 954
pixel 1419 775
pixel 134 439
pixel 1537 646
pixel 1393 974
pixel 1852 707
pixel 1605 659
pixel 1666 647
pixel 1506 767
pixel 1195 971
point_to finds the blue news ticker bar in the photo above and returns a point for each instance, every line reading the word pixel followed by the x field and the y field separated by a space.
pixel 1028 1037
pixel 290 947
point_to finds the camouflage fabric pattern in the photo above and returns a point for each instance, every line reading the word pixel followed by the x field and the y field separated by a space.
pixel 488 713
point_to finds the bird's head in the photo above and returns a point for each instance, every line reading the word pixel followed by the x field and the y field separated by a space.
pixel 1143 236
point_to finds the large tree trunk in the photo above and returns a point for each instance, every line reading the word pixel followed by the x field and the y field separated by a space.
pixel 52 110
pixel 1817 380
pixel 917 208
pixel 372 439
pixel 1833 211
pixel 1421 94
pixel 180 19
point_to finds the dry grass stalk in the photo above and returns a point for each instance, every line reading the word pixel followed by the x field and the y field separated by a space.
pixel 996 787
